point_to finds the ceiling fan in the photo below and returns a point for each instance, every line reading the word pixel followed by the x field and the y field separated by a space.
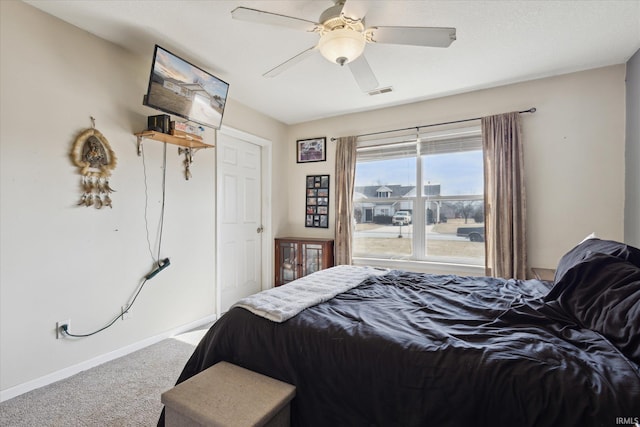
pixel 343 37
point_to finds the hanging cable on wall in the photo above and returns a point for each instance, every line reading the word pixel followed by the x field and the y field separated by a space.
pixel 160 264
pixel 146 203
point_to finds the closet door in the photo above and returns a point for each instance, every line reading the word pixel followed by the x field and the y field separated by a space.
pixel 239 220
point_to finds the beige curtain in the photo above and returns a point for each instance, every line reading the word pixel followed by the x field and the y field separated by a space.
pixel 345 178
pixel 505 201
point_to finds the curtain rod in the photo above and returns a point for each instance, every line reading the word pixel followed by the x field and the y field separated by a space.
pixel 530 110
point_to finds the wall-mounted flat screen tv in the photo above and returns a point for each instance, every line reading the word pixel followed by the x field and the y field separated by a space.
pixel 180 88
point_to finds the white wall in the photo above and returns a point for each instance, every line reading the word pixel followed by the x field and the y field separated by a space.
pixel 632 154
pixel 573 148
pixel 60 261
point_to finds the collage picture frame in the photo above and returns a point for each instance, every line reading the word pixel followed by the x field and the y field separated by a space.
pixel 317 205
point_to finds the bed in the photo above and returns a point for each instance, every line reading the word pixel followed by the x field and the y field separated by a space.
pixel 398 348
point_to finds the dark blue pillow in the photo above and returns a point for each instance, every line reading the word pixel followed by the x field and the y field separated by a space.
pixel 580 252
pixel 602 292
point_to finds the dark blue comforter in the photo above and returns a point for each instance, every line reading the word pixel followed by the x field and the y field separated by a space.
pixel 408 349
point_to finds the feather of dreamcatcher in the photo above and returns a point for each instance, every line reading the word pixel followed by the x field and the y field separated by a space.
pixel 100 186
pixel 103 186
pixel 107 187
pixel 87 186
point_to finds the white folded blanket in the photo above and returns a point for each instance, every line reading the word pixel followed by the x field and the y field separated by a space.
pixel 283 302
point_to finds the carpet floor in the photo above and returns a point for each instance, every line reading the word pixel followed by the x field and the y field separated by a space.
pixel 122 392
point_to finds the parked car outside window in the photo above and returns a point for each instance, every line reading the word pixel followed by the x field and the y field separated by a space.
pixel 401 218
pixel 475 234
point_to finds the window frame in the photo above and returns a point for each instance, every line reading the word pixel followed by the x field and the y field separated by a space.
pixel 420 261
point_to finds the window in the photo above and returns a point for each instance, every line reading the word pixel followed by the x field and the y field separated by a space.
pixel 421 197
pixel 384 192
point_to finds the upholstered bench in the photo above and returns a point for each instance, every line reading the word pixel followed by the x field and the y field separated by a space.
pixel 228 395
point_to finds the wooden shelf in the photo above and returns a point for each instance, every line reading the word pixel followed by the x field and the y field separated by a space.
pixel 172 139
pixel 190 145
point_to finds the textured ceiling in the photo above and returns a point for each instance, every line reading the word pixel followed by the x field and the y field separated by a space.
pixel 498 42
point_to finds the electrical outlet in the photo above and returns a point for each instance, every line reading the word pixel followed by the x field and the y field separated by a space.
pixel 59 325
pixel 125 313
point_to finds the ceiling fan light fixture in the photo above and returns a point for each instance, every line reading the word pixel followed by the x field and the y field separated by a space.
pixel 342 45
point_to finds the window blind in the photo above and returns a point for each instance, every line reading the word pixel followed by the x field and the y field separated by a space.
pixel 433 142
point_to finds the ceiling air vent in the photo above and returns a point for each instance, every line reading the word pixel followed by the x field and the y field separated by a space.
pixel 380 90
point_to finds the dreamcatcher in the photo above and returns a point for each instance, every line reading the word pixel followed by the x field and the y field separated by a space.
pixel 93 155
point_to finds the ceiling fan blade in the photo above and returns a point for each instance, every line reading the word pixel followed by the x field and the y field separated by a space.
pixel 262 17
pixel 355 9
pixel 289 62
pixel 417 36
pixel 363 74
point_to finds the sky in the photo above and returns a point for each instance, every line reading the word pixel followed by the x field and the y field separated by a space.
pixel 457 173
pixel 172 66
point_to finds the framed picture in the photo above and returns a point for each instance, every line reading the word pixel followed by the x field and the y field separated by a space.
pixel 311 150
pixel 317 207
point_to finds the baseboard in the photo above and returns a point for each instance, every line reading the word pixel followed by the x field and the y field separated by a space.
pixel 99 360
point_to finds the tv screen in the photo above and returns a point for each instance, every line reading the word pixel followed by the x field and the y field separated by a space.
pixel 180 88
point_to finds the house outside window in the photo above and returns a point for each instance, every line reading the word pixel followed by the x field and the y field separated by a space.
pixel 436 179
